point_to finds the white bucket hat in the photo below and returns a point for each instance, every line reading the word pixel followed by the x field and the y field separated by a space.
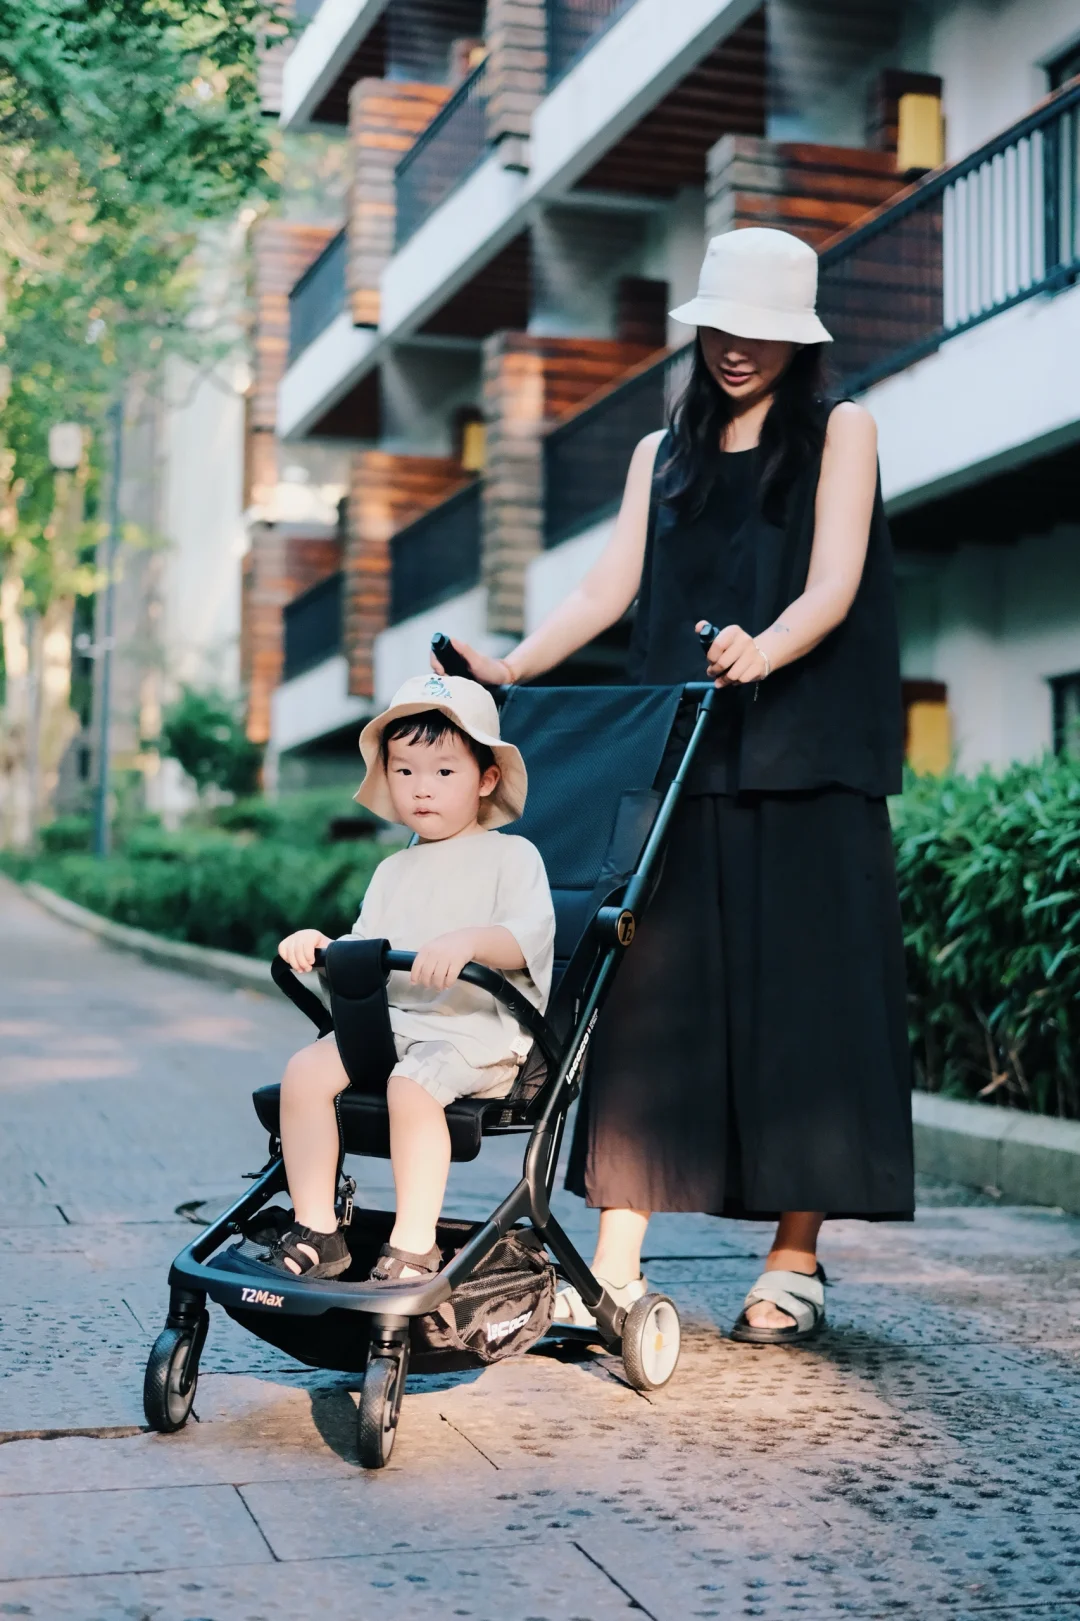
pixel 758 283
pixel 471 708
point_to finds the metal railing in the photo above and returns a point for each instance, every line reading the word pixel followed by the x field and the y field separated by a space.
pixel 312 622
pixel 975 239
pixel 573 27
pixel 442 156
pixel 586 456
pixel 437 556
pixel 318 296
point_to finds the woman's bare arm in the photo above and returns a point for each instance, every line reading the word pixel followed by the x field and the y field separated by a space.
pixel 603 596
pixel 842 514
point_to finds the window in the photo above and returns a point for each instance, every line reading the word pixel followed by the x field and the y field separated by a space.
pixel 1065 697
pixel 1064 67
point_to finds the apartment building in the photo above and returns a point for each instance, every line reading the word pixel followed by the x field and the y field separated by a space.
pixel 485 338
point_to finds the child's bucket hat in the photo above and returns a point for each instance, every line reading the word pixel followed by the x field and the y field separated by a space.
pixel 758 283
pixel 472 709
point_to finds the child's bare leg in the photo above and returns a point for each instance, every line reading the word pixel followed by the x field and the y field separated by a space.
pixel 618 1246
pixel 420 1157
pixel 309 1135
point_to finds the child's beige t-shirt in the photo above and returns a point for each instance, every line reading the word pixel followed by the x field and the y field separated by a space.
pixel 472 882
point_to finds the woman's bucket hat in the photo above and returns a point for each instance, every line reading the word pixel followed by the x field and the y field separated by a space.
pixel 472 709
pixel 758 283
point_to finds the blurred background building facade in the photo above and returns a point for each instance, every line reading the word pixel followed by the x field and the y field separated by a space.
pixel 449 377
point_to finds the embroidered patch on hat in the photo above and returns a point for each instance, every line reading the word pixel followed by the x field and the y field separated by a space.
pixel 435 687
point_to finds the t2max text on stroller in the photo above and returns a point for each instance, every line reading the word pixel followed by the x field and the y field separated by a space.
pixel 261 1297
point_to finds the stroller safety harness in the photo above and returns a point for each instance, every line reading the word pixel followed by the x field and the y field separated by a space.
pixel 599 819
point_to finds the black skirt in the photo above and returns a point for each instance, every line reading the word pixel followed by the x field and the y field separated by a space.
pixel 753 1056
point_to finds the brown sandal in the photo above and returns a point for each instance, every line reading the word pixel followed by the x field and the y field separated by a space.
pixel 392 1263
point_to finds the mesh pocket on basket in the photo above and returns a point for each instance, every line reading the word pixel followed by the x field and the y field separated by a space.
pixel 503 1309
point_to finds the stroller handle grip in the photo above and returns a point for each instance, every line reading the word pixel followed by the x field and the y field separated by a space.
pixel 473 973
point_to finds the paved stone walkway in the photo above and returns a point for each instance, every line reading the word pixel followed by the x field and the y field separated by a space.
pixel 919 1460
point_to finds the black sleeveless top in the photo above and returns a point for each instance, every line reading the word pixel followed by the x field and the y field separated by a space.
pixel 834 717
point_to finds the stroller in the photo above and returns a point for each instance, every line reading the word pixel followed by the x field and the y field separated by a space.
pixel 601 749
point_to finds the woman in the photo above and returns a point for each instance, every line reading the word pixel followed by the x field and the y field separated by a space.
pixel 753 1060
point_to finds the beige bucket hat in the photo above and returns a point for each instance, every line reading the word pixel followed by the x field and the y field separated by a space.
pixel 472 708
pixel 758 283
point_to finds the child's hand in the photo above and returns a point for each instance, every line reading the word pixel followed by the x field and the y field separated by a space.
pixel 299 949
pixel 440 962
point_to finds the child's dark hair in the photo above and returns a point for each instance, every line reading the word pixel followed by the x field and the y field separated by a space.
pixel 431 726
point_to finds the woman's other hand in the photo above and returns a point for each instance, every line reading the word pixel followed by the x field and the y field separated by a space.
pixel 734 659
pixel 299 949
pixel 489 672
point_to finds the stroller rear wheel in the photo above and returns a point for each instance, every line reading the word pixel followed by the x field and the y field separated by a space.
pixel 172 1373
pixel 651 1341
pixel 380 1404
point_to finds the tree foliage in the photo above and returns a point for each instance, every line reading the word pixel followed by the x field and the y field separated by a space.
pixel 205 732
pixel 124 125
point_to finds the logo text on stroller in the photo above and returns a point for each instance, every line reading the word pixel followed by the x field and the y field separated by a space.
pixel 261 1297
pixel 499 1331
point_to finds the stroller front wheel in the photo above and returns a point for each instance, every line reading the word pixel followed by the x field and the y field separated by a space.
pixel 651 1341
pixel 172 1373
pixel 380 1404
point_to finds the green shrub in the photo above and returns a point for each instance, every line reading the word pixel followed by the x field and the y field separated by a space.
pixel 66 833
pixel 214 891
pixel 301 819
pixel 989 871
pixel 204 731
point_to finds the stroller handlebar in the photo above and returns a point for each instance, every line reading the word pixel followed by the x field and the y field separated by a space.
pixel 474 973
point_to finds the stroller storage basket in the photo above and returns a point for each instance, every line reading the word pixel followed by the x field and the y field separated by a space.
pixel 596 751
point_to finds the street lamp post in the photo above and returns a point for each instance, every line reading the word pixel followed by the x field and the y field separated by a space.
pixel 101 809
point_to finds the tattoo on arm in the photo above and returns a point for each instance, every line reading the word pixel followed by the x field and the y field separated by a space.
pixel 778 625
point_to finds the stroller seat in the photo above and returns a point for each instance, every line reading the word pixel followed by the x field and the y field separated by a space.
pixel 365 1119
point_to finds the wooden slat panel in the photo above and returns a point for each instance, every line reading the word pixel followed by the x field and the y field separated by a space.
pixel 667 149
pixel 385 118
pixel 281 252
pixel 529 382
pixel 386 492
pixel 277 568
pixel 813 191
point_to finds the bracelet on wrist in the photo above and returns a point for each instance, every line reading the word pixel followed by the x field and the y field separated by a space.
pixel 766 659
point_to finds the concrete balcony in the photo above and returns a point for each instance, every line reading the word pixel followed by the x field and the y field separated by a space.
pixel 963 289
pixel 629 123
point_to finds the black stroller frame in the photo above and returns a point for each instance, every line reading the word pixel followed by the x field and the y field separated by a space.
pixel 172 1370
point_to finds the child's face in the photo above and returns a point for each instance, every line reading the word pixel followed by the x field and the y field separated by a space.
pixel 436 788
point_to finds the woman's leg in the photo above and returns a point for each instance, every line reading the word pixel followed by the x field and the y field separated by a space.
pixel 618 1246
pixel 420 1158
pixel 309 1134
pixel 794 1249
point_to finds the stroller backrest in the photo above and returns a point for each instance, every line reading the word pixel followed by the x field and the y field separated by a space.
pixel 592 755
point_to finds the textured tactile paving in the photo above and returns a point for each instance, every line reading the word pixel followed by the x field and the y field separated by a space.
pixel 918 1460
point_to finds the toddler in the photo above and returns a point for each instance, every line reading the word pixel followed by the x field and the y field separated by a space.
pixel 463 893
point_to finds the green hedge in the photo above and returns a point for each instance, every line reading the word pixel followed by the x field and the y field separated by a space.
pixel 989 872
pixel 237 897
pixel 217 885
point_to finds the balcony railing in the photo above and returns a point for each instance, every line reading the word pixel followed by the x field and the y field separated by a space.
pixel 972 241
pixel 437 557
pixel 318 296
pixel 573 26
pixel 586 456
pixel 313 626
pixel 443 156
